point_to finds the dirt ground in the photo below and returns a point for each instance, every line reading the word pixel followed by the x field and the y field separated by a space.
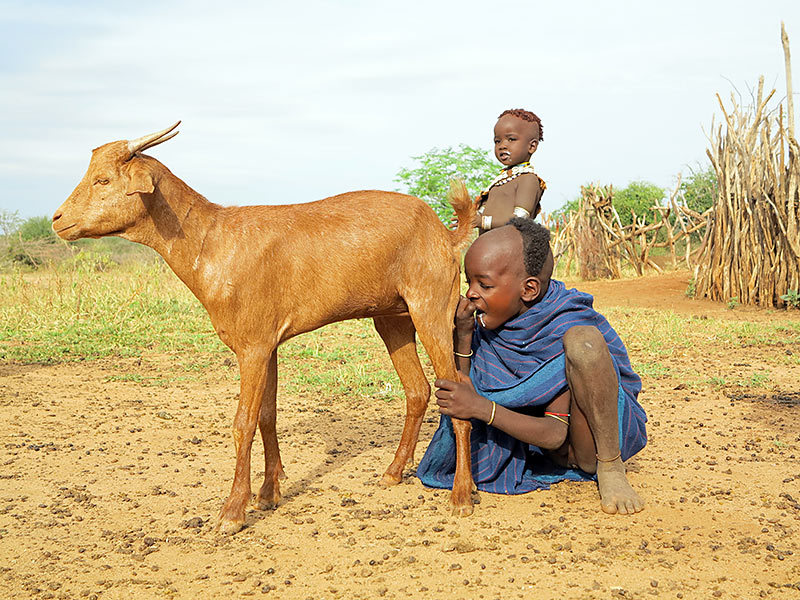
pixel 109 489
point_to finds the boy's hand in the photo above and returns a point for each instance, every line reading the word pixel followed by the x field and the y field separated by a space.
pixel 459 399
pixel 465 318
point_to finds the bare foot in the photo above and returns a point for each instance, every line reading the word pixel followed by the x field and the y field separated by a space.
pixel 616 494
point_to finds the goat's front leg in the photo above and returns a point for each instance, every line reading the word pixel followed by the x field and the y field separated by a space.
pixel 253 370
pixel 436 336
pixel 270 493
pixel 461 496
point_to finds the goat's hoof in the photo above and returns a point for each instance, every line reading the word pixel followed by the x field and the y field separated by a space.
pixel 462 510
pixel 265 503
pixel 226 527
pixel 461 505
pixel 269 495
pixel 389 480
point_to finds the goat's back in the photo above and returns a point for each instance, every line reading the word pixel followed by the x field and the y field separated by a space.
pixel 352 255
pixel 368 221
pixel 364 210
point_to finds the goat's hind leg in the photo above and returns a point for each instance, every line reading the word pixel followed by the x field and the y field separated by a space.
pixel 270 493
pixel 398 335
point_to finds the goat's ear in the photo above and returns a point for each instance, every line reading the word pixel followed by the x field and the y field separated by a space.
pixel 140 181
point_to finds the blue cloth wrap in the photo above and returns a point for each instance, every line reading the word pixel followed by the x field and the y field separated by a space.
pixel 521 366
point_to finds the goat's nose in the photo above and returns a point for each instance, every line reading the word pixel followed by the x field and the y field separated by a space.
pixel 56 216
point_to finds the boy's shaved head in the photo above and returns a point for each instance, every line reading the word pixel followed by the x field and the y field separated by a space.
pixel 528 116
pixel 535 245
pixel 503 245
pixel 523 244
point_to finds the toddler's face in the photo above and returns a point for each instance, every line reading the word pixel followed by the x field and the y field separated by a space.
pixel 514 140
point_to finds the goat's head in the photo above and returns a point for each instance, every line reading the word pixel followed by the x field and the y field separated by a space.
pixel 109 200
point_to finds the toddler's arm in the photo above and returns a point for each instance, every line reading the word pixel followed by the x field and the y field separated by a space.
pixel 524 203
pixel 527 197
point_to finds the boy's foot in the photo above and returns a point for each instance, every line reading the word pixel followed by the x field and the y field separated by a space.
pixel 616 494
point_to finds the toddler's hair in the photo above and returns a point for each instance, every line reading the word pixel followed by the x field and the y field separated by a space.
pixel 525 115
pixel 535 244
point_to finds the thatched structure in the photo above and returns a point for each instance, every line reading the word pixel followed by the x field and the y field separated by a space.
pixel 751 251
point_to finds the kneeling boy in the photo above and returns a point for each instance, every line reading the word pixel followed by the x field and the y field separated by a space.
pixel 551 391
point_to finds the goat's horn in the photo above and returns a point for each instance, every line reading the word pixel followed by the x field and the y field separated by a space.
pixel 159 141
pixel 148 141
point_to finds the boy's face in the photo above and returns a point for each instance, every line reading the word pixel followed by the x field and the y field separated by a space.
pixel 514 140
pixel 498 285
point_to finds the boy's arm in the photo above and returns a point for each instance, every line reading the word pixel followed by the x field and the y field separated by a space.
pixel 545 432
pixel 462 334
pixel 461 401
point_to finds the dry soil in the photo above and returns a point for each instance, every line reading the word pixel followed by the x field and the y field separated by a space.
pixel 109 489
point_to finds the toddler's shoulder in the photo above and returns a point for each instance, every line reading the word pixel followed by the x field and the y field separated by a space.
pixel 531 180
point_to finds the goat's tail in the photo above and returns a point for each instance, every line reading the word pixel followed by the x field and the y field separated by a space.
pixel 465 209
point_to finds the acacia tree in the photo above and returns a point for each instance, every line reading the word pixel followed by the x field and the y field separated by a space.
pixel 430 178
pixel 639 197
pixel 9 221
pixel 37 228
pixel 700 189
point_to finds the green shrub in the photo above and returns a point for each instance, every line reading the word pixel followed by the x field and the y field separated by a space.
pixel 700 189
pixel 86 261
pixel 36 228
pixel 792 298
pixel 691 290
pixel 565 209
pixel 639 196
pixel 430 179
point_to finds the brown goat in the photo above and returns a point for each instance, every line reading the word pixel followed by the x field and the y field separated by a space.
pixel 268 273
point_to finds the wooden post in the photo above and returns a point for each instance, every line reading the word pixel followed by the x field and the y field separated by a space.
pixel 788 60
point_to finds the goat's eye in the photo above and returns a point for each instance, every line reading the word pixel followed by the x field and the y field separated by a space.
pixel 102 181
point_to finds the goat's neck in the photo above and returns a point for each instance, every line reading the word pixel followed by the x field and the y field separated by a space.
pixel 179 221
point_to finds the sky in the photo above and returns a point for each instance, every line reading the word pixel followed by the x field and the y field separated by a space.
pixel 291 102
